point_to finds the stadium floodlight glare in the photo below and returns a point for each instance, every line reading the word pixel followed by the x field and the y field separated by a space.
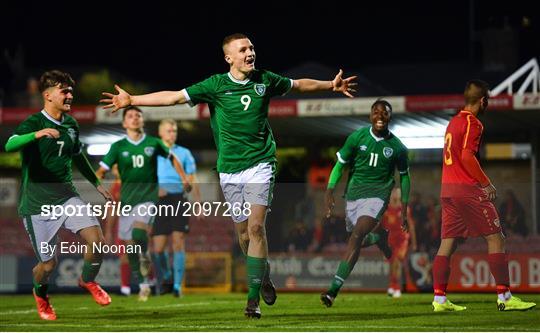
pixel 429 142
pixel 417 135
pixel 98 149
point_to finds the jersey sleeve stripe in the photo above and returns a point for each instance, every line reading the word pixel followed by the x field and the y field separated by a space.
pixel 292 85
pixel 104 166
pixel 186 95
pixel 13 136
pixel 467 133
pixel 340 159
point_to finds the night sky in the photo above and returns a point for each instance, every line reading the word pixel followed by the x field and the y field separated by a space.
pixel 174 44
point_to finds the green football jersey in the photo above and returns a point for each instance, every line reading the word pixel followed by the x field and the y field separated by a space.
pixel 239 116
pixel 137 165
pixel 46 163
pixel 372 162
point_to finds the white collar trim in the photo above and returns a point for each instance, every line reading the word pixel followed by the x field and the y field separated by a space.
pixel 374 136
pixel 236 80
pixel 136 142
pixel 48 116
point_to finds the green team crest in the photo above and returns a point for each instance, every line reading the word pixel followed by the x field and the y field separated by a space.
pixel 72 134
pixel 149 151
pixel 260 89
pixel 387 152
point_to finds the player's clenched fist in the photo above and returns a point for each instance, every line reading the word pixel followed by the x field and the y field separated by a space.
pixel 48 132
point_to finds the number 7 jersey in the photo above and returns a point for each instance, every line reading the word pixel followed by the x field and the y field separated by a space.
pixel 372 162
pixel 46 163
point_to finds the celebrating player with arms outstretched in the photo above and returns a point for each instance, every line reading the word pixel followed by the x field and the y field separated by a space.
pixel 372 154
pixel 49 143
pixel 466 201
pixel 238 102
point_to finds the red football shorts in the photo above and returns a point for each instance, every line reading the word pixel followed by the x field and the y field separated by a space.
pixel 468 217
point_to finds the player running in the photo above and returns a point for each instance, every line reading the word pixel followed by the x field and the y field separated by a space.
pixel 49 144
pixel 238 102
pixel 372 155
pixel 398 240
pixel 466 202
pixel 137 156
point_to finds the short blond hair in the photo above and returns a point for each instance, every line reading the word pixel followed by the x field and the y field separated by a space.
pixel 169 121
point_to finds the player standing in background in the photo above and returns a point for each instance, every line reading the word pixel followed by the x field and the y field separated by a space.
pixel 398 240
pixel 49 144
pixel 171 192
pixel 372 154
pixel 238 102
pixel 136 156
pixel 466 201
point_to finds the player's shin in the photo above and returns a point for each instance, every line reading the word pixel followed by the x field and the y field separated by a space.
pixel 256 267
pixel 342 274
pixel 179 262
pixel 441 273
pixel 498 265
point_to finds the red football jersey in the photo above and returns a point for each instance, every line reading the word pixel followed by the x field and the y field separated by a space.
pixel 463 132
pixel 392 221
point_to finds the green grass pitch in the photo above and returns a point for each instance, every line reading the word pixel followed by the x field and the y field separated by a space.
pixel 292 312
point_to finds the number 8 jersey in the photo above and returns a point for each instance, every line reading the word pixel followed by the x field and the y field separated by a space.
pixel 239 116
pixel 464 132
pixel 372 162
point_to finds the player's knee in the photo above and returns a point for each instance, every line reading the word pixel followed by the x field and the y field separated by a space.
pixel 244 236
pixel 256 232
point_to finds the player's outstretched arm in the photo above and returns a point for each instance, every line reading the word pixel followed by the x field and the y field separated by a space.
pixel 17 142
pixel 338 84
pixel 123 99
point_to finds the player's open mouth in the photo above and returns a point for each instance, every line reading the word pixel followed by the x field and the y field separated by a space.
pixel 68 102
pixel 250 61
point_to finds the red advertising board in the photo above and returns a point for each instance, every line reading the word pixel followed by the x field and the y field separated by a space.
pixel 83 114
pixel 443 102
pixel 470 272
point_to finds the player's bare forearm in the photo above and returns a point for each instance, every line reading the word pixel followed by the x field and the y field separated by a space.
pixel 100 173
pixel 182 173
pixel 160 98
pixel 310 85
pixel 196 188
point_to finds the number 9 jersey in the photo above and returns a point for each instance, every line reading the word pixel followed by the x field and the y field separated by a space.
pixel 239 116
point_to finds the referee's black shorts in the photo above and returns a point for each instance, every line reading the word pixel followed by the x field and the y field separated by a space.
pixel 166 223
